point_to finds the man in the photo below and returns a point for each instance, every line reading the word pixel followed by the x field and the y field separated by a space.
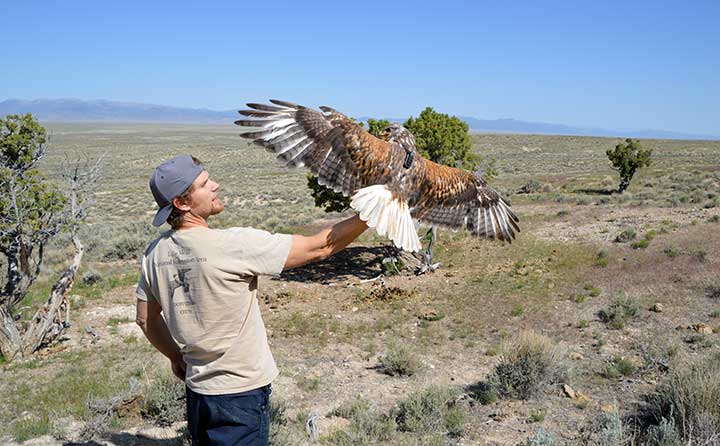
pixel 197 302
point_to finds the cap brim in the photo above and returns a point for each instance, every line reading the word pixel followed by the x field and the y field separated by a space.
pixel 162 215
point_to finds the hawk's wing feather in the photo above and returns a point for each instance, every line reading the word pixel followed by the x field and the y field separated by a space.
pixel 338 151
pixel 456 199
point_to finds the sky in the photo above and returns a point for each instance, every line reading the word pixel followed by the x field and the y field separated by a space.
pixel 605 64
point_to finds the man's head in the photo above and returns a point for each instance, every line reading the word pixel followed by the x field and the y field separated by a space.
pixel 180 186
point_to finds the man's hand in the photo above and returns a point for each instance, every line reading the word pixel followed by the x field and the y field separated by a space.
pixel 178 368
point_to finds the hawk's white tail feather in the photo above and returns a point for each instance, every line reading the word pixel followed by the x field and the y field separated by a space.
pixel 388 216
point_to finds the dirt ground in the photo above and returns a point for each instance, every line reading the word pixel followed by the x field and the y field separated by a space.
pixel 345 365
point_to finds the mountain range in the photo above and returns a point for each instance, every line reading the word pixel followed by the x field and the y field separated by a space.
pixel 76 110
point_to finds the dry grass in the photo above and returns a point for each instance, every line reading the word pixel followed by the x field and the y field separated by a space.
pixel 528 363
pixel 687 401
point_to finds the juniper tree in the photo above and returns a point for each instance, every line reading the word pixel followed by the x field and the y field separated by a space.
pixel 627 158
pixel 34 210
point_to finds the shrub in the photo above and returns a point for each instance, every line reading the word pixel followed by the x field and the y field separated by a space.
pixel 640 244
pixel 432 410
pixel 601 259
pixel 663 434
pixel 399 361
pixel 164 401
pixel 671 251
pixel 592 290
pixel 527 364
pixel 713 291
pixel 517 310
pixel 307 383
pixel 103 410
pixel 619 312
pixel 608 430
pixel 537 416
pixel 626 235
pixel 483 392
pixel 281 432
pixel 91 277
pixel 530 187
pixel 619 367
pixel 687 402
pixel 127 247
pixel 351 409
pixel 541 438
pixel 366 427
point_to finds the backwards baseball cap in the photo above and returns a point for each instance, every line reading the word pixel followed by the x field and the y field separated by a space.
pixel 170 180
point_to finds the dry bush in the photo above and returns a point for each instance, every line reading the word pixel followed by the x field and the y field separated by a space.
pixel 540 438
pixel 164 401
pixel 530 187
pixel 606 429
pixel 282 433
pixel 435 409
pixel 619 312
pixel 712 291
pixel 528 363
pixel 367 426
pixel 626 235
pixel 399 361
pixel 688 402
pixel 103 410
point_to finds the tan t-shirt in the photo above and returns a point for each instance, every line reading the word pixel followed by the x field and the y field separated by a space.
pixel 205 280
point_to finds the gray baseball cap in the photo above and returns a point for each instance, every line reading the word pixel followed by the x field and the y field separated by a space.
pixel 170 180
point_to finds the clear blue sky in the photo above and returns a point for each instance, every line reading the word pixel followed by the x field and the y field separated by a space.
pixel 611 64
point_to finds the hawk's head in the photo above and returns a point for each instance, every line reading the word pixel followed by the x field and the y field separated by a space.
pixel 399 134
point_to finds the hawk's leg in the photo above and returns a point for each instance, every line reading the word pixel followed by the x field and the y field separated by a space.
pixel 427 253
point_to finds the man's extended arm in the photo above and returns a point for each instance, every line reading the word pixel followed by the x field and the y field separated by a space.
pixel 325 243
pixel 149 318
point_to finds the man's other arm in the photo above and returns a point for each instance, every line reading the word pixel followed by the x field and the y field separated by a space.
pixel 325 243
pixel 149 318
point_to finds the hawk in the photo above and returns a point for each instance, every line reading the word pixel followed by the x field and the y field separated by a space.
pixel 389 182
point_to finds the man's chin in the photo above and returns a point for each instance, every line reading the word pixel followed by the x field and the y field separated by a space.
pixel 219 207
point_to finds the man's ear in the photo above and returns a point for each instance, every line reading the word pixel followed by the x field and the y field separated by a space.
pixel 181 204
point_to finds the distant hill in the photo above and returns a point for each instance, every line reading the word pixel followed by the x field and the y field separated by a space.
pixel 76 110
pixel 543 128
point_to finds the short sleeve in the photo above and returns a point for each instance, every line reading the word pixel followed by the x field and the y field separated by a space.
pixel 143 291
pixel 257 252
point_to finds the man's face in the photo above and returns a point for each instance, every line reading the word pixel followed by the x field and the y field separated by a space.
pixel 203 200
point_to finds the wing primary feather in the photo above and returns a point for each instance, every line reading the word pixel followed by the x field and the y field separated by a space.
pixel 266 107
pixel 249 122
pixel 493 221
pixel 285 104
pixel 263 113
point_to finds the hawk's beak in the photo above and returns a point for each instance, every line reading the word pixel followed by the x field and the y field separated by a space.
pixel 384 135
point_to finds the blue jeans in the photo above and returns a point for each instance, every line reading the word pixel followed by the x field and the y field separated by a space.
pixel 237 419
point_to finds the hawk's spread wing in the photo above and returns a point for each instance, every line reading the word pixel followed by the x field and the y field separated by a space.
pixel 338 151
pixel 385 192
pixel 456 198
